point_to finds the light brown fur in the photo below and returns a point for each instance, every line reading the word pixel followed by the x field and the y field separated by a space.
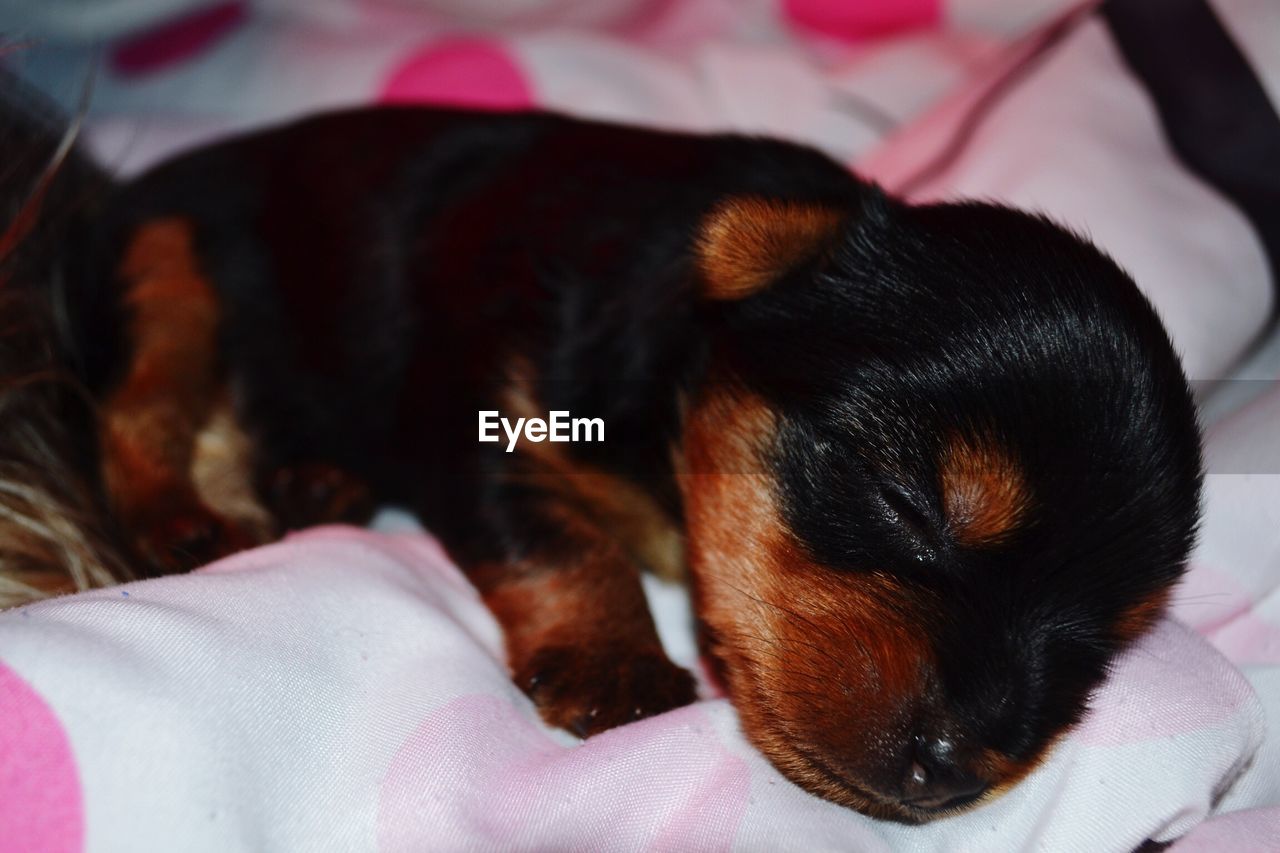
pixel 984 493
pixel 1140 618
pixel 151 420
pixel 748 243
pixel 221 471
pixel 155 458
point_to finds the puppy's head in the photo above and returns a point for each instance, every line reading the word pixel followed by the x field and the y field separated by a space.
pixel 944 468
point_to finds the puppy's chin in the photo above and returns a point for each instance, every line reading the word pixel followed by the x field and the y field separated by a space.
pixel 809 769
pixel 806 767
pixel 812 774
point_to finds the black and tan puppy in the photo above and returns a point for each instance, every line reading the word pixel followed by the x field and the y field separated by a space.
pixel 930 468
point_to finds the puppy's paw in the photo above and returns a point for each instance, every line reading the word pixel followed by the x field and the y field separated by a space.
pixel 182 535
pixel 317 493
pixel 589 690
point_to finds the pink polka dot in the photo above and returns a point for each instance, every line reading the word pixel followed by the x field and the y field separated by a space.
pixel 858 19
pixel 459 72
pixel 40 802
pixel 480 773
pixel 178 40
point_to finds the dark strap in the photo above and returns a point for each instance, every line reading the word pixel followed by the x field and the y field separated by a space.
pixel 1215 112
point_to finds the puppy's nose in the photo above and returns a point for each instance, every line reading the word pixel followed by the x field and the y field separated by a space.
pixel 935 779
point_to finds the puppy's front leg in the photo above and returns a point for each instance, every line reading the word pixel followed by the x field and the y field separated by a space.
pixel 580 639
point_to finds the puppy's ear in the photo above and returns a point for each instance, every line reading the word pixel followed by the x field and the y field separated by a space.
pixel 746 243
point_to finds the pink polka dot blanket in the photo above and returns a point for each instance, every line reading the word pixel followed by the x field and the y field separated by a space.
pixel 346 690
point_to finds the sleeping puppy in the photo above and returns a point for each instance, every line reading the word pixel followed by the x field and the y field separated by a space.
pixel 929 468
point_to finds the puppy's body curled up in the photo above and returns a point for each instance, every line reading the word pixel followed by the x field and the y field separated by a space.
pixel 929 468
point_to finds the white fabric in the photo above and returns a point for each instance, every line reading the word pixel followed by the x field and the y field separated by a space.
pixel 345 690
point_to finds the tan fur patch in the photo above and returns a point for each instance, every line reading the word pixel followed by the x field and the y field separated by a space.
pixel 984 492
pixel 151 419
pixel 747 243
pixel 1005 772
pixel 222 472
pixel 560 601
pixel 1139 618
pixel 579 636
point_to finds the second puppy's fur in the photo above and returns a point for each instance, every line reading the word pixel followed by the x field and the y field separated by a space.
pixel 930 468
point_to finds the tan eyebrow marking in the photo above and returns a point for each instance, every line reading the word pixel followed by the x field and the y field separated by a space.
pixel 984 492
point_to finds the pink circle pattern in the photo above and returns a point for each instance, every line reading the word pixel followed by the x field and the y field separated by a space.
pixel 464 72
pixel 479 772
pixel 41 804
pixel 179 40
pixel 850 20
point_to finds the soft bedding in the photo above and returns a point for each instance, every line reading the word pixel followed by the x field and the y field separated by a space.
pixel 345 689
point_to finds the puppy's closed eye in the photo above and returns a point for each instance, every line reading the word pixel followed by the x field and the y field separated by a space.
pixel 917 527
